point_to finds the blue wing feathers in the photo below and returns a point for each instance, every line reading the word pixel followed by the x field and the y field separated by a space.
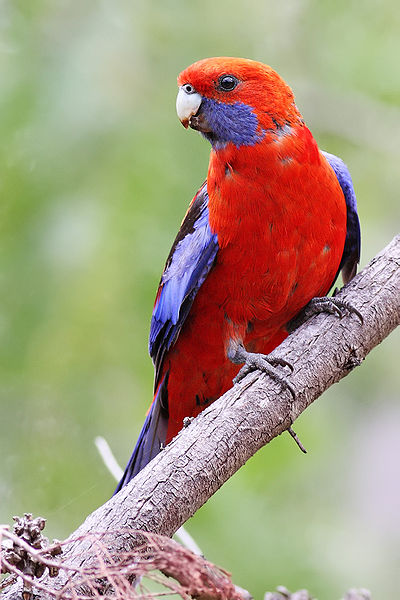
pixel 190 260
pixel 352 246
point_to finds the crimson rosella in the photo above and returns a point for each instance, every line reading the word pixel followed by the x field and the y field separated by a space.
pixel 269 230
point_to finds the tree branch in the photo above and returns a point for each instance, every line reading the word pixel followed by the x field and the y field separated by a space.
pixel 224 436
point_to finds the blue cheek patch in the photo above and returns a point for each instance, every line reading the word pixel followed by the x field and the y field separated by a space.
pixel 234 123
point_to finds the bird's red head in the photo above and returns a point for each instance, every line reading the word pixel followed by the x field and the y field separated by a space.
pixel 234 100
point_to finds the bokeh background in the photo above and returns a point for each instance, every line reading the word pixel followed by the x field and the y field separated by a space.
pixel 96 174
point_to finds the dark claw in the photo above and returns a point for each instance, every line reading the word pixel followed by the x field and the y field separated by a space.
pixel 281 362
pixel 265 364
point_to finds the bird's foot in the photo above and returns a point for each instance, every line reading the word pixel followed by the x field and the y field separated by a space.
pixel 331 305
pixel 261 362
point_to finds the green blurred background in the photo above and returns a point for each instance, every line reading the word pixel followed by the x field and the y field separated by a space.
pixel 96 174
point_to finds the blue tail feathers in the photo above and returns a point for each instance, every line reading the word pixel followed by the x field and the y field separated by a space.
pixel 151 439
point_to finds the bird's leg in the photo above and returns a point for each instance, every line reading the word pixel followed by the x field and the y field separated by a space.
pixel 329 304
pixel 266 364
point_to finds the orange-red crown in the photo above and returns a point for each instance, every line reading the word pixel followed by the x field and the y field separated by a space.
pixel 259 86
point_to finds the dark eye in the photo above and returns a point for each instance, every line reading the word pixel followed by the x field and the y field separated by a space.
pixel 189 89
pixel 227 83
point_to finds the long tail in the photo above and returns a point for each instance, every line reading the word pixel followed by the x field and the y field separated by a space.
pixel 151 438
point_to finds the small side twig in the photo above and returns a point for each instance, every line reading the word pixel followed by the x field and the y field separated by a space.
pixel 297 440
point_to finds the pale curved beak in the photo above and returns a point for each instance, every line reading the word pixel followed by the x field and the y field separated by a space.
pixel 187 105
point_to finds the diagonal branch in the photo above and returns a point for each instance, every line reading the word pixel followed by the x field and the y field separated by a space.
pixel 224 436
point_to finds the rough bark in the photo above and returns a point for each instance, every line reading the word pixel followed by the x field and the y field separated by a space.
pixel 218 442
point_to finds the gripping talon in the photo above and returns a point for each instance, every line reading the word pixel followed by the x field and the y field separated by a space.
pixel 331 305
pixel 263 363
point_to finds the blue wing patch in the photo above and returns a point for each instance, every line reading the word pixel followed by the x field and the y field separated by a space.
pixel 188 264
pixel 352 245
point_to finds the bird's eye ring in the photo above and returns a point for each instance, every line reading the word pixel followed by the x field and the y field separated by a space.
pixel 227 83
pixel 189 89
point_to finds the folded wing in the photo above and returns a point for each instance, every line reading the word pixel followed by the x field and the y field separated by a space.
pixel 188 264
pixel 352 245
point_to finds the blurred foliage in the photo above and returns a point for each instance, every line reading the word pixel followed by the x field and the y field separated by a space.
pixel 96 174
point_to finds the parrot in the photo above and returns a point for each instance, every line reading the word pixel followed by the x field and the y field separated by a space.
pixel 269 230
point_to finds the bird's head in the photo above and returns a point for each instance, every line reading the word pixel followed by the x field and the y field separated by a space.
pixel 234 100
